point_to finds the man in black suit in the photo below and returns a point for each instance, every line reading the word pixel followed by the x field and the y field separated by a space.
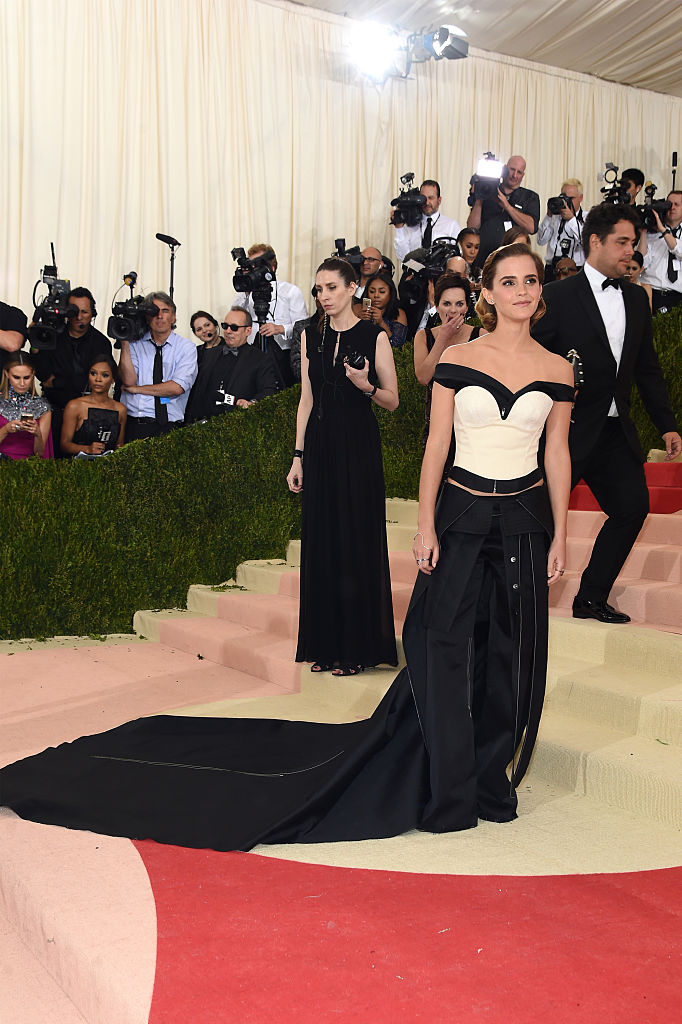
pixel 607 321
pixel 233 375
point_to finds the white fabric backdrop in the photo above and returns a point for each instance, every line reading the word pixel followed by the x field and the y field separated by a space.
pixel 224 122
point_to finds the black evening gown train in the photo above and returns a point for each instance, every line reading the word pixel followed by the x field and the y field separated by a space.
pixel 434 754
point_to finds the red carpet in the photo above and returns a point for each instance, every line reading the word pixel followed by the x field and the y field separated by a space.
pixel 664 480
pixel 252 940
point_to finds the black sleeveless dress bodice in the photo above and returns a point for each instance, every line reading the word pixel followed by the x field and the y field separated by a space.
pixel 100 425
pixel 346 611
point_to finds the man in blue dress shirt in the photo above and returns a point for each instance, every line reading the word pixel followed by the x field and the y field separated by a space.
pixel 157 373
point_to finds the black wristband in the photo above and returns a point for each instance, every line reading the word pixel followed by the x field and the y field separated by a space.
pixel 298 453
pixel 372 393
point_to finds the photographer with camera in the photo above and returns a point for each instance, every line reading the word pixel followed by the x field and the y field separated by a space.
pixel 237 375
pixel 661 246
pixel 12 331
pixel 431 225
pixel 561 229
pixel 372 263
pixel 511 205
pixel 157 372
pixel 287 304
pixel 63 369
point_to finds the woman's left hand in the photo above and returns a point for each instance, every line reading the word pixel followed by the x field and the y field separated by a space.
pixel 556 561
pixel 30 426
pixel 359 377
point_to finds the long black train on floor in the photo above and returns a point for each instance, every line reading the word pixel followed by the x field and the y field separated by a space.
pixel 431 756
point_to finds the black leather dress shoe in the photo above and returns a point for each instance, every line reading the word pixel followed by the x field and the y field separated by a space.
pixel 599 610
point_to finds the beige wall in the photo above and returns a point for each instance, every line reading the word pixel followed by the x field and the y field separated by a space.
pixel 224 123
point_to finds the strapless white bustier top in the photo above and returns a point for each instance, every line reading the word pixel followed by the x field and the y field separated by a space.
pixel 497 431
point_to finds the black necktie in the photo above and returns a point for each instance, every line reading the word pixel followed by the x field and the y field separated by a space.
pixel 428 234
pixel 160 410
pixel 611 282
pixel 672 273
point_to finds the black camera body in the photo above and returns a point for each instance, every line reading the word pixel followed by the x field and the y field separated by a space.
pixel 487 179
pixel 614 190
pixel 52 313
pixel 424 265
pixel 356 360
pixel 254 276
pixel 409 203
pixel 650 206
pixel 558 203
pixel 128 320
pixel 352 255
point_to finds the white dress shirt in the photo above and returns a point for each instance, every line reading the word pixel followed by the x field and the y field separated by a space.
pixel 655 270
pixel 179 362
pixel 287 306
pixel 553 228
pixel 406 239
pixel 612 309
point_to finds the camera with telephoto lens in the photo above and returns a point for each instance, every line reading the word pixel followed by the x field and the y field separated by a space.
pixel 614 190
pixel 487 179
pixel 556 204
pixel 52 313
pixel 255 276
pixel 423 265
pixel 409 204
pixel 650 206
pixel 352 255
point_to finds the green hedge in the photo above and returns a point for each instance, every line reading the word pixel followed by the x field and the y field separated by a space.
pixel 668 345
pixel 87 543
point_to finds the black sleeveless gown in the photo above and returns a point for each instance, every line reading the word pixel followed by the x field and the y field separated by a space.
pixel 433 756
pixel 346 611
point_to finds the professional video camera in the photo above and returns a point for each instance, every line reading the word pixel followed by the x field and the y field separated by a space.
pixel 51 313
pixel 128 320
pixel 650 206
pixel 486 180
pixel 254 276
pixel 614 191
pixel 352 255
pixel 409 204
pixel 423 265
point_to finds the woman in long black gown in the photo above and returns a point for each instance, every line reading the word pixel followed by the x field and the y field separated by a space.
pixel 346 612
pixel 434 754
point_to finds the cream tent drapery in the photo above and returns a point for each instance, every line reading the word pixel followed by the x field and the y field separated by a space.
pixel 224 122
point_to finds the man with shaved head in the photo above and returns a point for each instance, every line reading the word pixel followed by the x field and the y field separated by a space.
pixel 513 205
pixel 372 263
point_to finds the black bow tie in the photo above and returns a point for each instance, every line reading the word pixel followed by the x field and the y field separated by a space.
pixel 613 282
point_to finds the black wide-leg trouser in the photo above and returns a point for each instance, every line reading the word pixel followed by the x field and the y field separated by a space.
pixel 476 647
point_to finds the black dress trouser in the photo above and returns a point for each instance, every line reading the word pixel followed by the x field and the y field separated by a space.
pixel 616 478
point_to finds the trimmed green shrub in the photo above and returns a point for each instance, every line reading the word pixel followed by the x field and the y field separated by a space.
pixel 668 345
pixel 87 543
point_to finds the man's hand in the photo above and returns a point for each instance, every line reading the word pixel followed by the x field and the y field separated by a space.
pixel 267 330
pixel 243 403
pixel 502 200
pixel 673 445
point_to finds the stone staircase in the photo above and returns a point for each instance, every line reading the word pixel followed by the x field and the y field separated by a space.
pixel 612 726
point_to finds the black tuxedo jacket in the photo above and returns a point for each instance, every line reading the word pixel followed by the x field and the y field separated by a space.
pixel 249 374
pixel 573 321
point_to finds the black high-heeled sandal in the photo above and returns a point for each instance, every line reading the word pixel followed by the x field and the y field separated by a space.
pixel 347 670
pixel 320 667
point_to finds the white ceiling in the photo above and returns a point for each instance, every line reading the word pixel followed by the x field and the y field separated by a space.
pixel 636 42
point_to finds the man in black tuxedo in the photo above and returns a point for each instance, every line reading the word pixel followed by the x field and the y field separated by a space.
pixel 607 321
pixel 233 375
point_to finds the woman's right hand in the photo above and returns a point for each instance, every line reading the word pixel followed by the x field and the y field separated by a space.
pixel 449 331
pixel 11 426
pixel 425 550
pixel 96 448
pixel 295 476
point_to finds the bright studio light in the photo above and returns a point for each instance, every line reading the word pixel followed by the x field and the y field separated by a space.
pixel 376 50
